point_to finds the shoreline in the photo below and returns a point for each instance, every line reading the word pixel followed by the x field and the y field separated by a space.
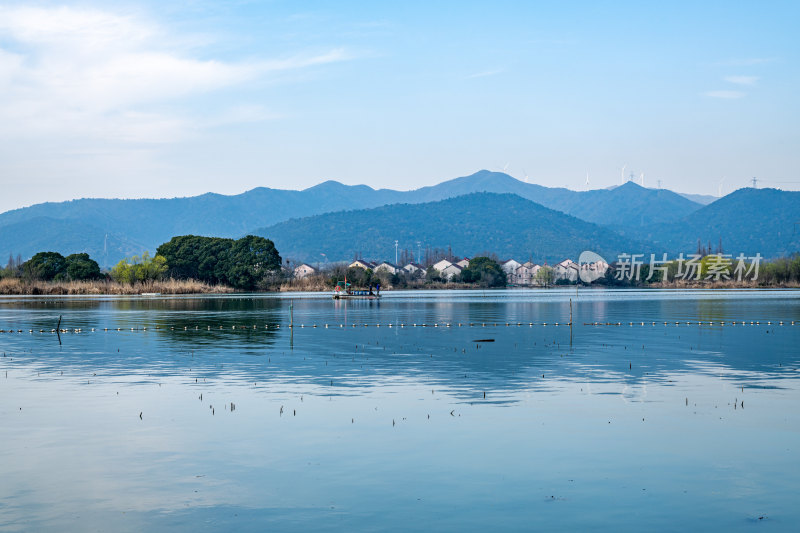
pixel 18 287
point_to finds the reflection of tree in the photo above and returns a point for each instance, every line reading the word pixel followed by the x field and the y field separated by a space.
pixel 443 357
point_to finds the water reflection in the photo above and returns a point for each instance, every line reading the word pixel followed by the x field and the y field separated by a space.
pixel 337 426
pixel 237 338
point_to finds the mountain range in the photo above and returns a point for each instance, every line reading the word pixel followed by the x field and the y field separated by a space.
pixel 504 224
pixel 110 229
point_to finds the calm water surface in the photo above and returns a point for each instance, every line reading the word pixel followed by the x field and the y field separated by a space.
pixel 626 427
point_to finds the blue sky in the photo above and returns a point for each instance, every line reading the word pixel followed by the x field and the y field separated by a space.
pixel 138 99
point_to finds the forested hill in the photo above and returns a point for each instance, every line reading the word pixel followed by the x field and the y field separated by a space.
pixel 133 226
pixel 626 205
pixel 505 224
pixel 749 221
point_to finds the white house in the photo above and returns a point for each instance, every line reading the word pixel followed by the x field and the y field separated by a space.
pixel 526 274
pixel 450 271
pixel 509 267
pixel 441 265
pixel 302 270
pixel 386 266
pixel 413 268
pixel 360 263
pixel 464 263
pixel 566 269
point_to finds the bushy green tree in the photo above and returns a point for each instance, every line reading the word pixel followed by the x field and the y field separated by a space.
pixel 142 269
pixel 432 275
pixel 45 266
pixel 248 263
pixel 485 272
pixel 250 260
pixel 81 267
pixel 195 257
pixel 545 276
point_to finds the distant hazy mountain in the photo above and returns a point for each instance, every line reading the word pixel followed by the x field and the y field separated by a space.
pixel 703 199
pixel 749 221
pixel 144 224
pixel 66 236
pixel 628 204
pixel 505 224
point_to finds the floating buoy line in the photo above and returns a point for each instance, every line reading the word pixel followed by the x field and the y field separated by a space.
pixel 445 325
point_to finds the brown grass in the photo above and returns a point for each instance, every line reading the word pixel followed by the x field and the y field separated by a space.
pixel 307 284
pixel 16 286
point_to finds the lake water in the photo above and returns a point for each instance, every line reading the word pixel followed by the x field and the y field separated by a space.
pixel 353 427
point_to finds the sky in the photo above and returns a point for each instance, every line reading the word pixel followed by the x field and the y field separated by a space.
pixel 162 99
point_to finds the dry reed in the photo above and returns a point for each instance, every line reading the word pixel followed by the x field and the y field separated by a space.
pixel 16 286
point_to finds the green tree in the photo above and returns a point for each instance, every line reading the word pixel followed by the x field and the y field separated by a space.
pixel 251 259
pixel 142 269
pixel 484 271
pixel 81 267
pixel 248 263
pixel 545 276
pixel 432 275
pixel 45 266
pixel 195 257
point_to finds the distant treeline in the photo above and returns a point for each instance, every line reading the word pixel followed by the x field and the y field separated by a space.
pixel 249 263
pixel 52 266
pixel 253 263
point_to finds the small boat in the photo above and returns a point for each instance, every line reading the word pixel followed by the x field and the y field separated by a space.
pixel 151 294
pixel 342 291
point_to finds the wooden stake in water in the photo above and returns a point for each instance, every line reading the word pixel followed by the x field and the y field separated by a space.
pixel 570 322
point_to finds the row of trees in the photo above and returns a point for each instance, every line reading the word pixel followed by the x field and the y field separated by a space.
pixel 248 263
pixel 52 266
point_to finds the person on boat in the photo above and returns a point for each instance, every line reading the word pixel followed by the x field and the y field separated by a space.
pixel 370 290
pixel 378 286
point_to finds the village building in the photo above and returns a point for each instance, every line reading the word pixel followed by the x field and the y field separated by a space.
pixel 360 263
pixel 441 265
pixel 566 270
pixel 510 267
pixel 413 268
pixel 464 263
pixel 386 266
pixel 526 274
pixel 450 271
pixel 303 270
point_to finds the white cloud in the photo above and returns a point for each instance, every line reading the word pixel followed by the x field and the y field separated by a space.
pixel 742 80
pixel 100 74
pixel 729 95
